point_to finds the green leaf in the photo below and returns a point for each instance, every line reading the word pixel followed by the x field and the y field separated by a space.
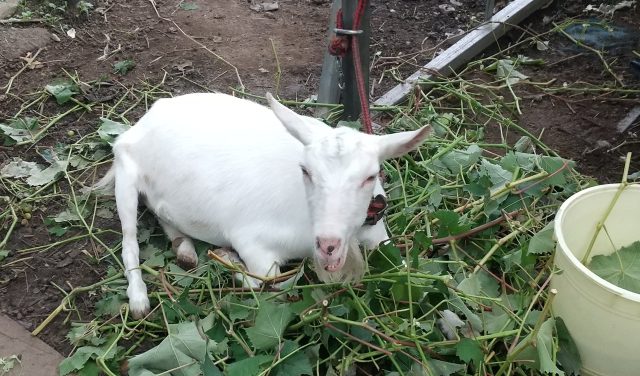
pixel 461 160
pixel 469 350
pixel 557 168
pixel 123 67
pixel 480 284
pixel 542 242
pixel 442 368
pixel 270 323
pixel 63 91
pixel 18 168
pixel 568 354
pixel 248 366
pixel 385 258
pixel 21 129
pixel 497 320
pixel 109 130
pixel 183 348
pixel 622 268
pixel 81 356
pixel 449 223
pixel 294 361
pixel 210 369
pixel 3 255
pixel 8 363
pixel 496 174
pixel 110 305
pixel 35 174
pixel 505 69
pixel 47 175
pixel 188 6
pixel 539 354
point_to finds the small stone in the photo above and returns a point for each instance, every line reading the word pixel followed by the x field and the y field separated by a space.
pixel 8 8
pixel 55 37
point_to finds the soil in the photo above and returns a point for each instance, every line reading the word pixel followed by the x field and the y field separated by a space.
pixel 405 34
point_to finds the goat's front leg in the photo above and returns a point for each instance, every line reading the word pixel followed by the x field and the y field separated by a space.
pixel 258 261
pixel 127 203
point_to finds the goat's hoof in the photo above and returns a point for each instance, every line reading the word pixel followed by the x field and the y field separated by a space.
pixel 139 308
pixel 187 261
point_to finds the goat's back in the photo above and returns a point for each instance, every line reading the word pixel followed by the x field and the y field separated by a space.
pixel 220 169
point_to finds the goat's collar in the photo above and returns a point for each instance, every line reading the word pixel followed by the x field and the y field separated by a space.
pixel 376 209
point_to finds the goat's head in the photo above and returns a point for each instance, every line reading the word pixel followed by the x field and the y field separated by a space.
pixel 340 167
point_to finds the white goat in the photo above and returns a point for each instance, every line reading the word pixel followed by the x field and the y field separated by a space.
pixel 269 183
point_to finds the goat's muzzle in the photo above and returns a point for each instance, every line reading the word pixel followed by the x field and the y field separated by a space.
pixel 330 253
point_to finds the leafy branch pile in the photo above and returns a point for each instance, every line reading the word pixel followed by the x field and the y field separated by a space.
pixel 461 290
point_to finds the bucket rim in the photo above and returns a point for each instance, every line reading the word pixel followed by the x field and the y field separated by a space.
pixel 564 248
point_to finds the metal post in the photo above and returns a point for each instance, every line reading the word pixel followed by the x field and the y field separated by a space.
pixel 329 90
pixel 350 94
pixel 488 10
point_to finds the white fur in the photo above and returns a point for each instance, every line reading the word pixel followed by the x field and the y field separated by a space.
pixel 227 171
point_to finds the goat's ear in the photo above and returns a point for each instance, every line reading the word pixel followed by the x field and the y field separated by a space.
pixel 293 122
pixel 398 144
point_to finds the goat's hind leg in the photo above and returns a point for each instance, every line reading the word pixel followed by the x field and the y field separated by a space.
pixel 182 246
pixel 126 194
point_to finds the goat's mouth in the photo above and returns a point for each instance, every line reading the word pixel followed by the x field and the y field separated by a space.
pixel 334 263
pixel 334 267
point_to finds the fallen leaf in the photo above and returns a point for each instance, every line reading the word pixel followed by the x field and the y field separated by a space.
pixel 20 130
pixel 469 350
pixel 18 168
pixel 71 33
pixel 188 6
pixel 270 322
pixel 542 241
pixel 183 350
pixel 109 130
pixel 47 175
pixel 622 268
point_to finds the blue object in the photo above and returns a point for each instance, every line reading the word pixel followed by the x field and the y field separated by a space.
pixel 635 68
pixel 602 36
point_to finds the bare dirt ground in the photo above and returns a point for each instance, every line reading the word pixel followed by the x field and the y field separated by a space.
pixel 166 42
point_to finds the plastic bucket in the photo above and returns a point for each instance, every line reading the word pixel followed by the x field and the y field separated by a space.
pixel 603 319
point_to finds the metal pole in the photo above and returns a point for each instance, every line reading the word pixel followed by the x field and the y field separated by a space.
pixel 329 90
pixel 350 93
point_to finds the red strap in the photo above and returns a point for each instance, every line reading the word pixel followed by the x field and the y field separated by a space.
pixel 339 46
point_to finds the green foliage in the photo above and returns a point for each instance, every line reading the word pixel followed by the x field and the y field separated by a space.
pixel 19 130
pixel 469 351
pixel 35 174
pixel 109 130
pixel 622 267
pixel 568 355
pixel 183 349
pixel 62 91
pixel 83 355
pixel 188 6
pixel 536 351
pixel 441 263
pixel 123 67
pixel 542 242
pixel 271 321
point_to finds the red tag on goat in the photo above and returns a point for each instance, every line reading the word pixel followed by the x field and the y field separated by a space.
pixel 376 209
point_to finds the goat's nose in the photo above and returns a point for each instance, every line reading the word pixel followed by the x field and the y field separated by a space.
pixel 327 245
